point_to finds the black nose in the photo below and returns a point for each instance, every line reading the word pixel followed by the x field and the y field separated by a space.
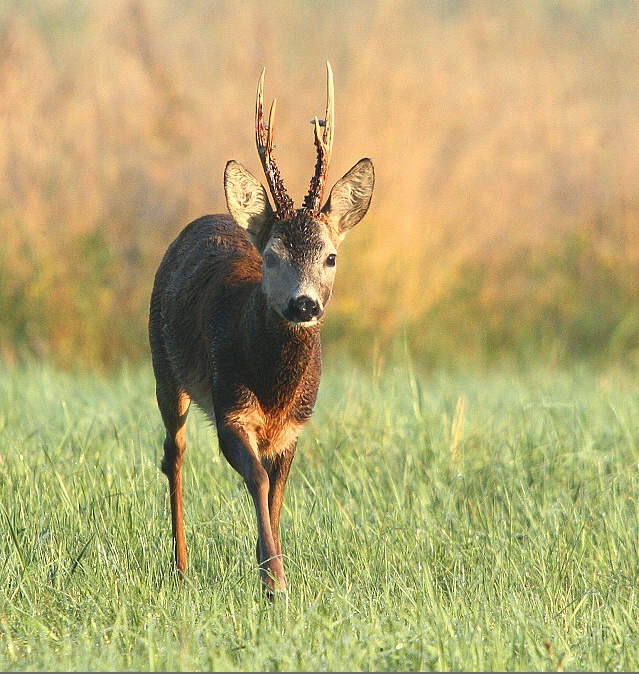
pixel 302 309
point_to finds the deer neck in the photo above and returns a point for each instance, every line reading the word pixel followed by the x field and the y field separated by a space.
pixel 280 354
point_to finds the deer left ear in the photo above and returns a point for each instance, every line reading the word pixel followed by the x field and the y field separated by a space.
pixel 350 197
pixel 246 199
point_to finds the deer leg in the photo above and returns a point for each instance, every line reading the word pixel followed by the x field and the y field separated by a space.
pixel 238 452
pixel 278 470
pixel 174 409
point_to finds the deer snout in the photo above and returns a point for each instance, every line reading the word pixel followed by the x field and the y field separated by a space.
pixel 302 309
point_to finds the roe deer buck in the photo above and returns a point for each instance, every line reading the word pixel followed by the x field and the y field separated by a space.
pixel 234 324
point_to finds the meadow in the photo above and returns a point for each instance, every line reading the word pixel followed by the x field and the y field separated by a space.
pixel 447 521
pixel 465 496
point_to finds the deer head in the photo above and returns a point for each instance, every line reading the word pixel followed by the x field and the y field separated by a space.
pixel 298 247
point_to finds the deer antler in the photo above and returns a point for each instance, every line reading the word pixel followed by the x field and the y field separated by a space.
pixel 324 145
pixel 264 140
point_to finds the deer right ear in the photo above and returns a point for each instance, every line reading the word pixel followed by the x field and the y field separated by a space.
pixel 246 199
pixel 350 197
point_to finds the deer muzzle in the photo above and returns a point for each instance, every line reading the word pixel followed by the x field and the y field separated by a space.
pixel 303 309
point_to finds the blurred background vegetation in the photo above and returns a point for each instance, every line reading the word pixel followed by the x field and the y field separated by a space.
pixel 505 135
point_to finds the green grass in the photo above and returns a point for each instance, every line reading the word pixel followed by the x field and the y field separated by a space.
pixel 444 521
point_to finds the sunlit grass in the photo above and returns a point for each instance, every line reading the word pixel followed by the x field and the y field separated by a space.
pixel 442 522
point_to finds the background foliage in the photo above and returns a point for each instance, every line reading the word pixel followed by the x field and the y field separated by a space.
pixel 504 137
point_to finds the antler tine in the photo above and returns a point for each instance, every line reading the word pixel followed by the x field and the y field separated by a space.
pixel 329 128
pixel 324 145
pixel 264 139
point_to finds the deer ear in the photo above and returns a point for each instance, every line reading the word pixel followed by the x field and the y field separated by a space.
pixel 350 197
pixel 246 199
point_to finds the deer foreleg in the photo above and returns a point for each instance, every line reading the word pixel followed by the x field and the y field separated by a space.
pixel 278 470
pixel 239 453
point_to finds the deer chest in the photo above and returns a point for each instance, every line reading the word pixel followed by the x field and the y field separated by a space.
pixel 268 432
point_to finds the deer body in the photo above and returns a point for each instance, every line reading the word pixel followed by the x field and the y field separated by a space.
pixel 234 325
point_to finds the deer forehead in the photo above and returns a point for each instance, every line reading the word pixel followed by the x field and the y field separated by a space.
pixel 302 238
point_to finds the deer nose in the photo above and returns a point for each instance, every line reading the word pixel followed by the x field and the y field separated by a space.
pixel 302 309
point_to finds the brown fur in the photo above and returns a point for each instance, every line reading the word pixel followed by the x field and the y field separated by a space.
pixel 250 359
pixel 209 333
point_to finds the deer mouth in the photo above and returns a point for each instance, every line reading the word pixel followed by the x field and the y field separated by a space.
pixel 300 323
pixel 303 324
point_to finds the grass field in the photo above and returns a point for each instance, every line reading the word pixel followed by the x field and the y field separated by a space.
pixel 479 515
pixel 447 522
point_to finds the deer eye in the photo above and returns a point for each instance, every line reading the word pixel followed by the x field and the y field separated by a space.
pixel 270 259
pixel 330 260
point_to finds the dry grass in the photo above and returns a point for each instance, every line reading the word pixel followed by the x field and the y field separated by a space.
pixel 499 132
